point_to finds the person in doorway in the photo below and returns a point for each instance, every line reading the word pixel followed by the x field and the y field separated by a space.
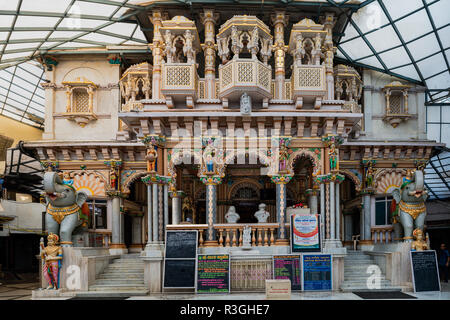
pixel 443 261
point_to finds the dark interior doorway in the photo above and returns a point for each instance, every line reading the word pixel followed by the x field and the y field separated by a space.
pixel 246 211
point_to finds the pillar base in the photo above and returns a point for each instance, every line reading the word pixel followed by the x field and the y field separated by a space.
pixel 210 243
pixel 137 247
pixel 333 246
pixel 117 248
pixel 282 242
pixel 152 249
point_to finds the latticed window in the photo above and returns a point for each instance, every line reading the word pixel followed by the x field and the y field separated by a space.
pixel 80 100
pixel 396 104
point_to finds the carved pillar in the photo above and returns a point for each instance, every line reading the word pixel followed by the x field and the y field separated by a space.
pixel 279 20
pixel 330 49
pixel 338 212
pixel 157 51
pixel 209 19
pixel 176 206
pixel 281 181
pixel 313 205
pixel 155 229
pixel 366 221
pixel 332 228
pixel 136 236
pixel 211 207
pixel 149 215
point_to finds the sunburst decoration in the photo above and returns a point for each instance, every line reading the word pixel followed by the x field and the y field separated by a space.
pixel 89 183
pixel 388 182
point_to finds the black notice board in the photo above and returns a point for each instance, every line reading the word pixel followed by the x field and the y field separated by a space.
pixel 213 273
pixel 180 259
pixel 179 273
pixel 288 267
pixel 425 271
pixel 181 244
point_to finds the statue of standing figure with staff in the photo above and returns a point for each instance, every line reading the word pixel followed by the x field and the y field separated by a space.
pixel 51 256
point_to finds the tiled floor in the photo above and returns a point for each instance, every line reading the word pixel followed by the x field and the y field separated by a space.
pixel 22 291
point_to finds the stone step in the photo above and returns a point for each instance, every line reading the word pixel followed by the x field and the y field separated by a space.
pixel 130 256
pixel 357 258
pixel 365 289
pixel 363 282
pixel 112 294
pixel 130 282
pixel 128 262
pixel 114 275
pixel 127 265
pixel 124 268
pixel 360 277
pixel 117 287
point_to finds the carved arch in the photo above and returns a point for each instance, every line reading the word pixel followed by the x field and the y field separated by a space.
pixel 126 183
pixel 246 182
pixel 387 179
pixel 317 168
pixel 353 177
pixel 94 182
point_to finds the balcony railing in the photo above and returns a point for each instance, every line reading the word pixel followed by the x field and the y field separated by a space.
pixel 251 76
pixel 382 234
pixel 231 234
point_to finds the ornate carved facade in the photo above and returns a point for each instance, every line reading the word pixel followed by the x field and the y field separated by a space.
pixel 223 112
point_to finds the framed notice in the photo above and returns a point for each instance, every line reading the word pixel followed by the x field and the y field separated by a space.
pixel 288 267
pixel 213 273
pixel 317 272
pixel 305 233
pixel 180 259
pixel 425 272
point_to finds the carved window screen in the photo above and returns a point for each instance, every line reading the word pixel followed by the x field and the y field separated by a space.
pixel 80 100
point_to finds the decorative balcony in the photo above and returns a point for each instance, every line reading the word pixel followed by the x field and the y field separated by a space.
pixel 136 84
pixel 308 80
pixel 248 37
pixel 80 101
pixel 396 103
pixel 245 75
pixel 179 71
pixel 308 85
pixel 179 82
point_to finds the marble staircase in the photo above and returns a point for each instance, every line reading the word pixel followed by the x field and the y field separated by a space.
pixel 124 275
pixel 356 265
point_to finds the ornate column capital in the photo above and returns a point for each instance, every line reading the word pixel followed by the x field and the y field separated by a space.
pixel 327 178
pixel 177 194
pixel 50 165
pixel 312 192
pixel 116 194
pixel 156 140
pixel 211 180
pixel 153 178
pixel 281 178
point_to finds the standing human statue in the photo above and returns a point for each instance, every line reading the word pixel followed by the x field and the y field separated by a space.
pixel 51 256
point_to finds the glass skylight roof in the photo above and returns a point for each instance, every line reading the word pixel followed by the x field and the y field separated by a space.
pixel 409 39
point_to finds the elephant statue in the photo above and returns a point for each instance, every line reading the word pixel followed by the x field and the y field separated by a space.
pixel 408 206
pixel 66 213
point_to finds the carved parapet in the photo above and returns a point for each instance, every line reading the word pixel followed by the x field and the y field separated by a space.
pixel 308 83
pixel 245 75
pixel 180 82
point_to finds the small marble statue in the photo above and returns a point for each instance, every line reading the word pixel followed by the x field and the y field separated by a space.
pixel 246 237
pixel 419 244
pixel 51 256
pixel 262 215
pixel 246 103
pixel 232 216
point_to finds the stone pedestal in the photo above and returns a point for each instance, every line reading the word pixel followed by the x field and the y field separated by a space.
pixel 333 246
pixel 153 257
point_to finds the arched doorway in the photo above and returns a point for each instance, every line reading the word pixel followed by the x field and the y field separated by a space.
pixel 245 197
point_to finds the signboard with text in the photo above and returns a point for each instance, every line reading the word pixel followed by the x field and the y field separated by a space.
pixel 213 273
pixel 180 259
pixel 288 267
pixel 305 233
pixel 317 272
pixel 425 272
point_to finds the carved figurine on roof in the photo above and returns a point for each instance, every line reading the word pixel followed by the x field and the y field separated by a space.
pixel 309 46
pixel 306 42
pixel 136 84
pixel 245 34
pixel 181 40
